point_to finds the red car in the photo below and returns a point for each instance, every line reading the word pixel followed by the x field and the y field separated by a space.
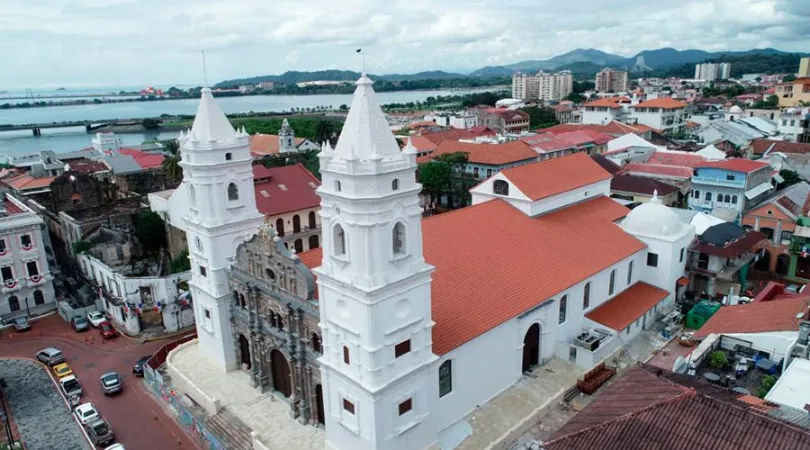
pixel 107 330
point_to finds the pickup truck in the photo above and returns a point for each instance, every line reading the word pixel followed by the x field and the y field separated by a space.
pixel 100 432
pixel 70 386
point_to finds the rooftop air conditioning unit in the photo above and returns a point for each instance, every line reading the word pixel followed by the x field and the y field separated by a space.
pixel 587 341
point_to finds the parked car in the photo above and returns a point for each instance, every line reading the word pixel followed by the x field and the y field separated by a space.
pixel 111 383
pixel 115 447
pixel 100 432
pixel 86 413
pixel 70 386
pixel 50 356
pixel 62 370
pixel 137 369
pixel 95 318
pixel 80 323
pixel 107 330
pixel 21 323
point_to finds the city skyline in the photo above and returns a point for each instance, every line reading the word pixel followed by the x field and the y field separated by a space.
pixel 126 42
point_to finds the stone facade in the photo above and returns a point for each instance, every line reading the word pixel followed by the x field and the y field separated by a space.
pixel 146 182
pixel 275 317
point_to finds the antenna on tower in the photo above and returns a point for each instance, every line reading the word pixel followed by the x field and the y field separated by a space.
pixel 205 73
pixel 363 58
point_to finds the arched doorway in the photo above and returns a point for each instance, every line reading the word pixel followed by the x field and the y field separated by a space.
pixel 531 347
pixel 296 224
pixel 312 223
pixel 280 227
pixel 764 262
pixel 281 373
pixel 314 242
pixel 782 264
pixel 299 246
pixel 319 404
pixel 244 350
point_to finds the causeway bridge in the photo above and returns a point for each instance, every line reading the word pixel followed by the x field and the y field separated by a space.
pixel 89 125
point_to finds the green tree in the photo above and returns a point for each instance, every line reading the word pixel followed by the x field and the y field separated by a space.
pixel 150 124
pixel 181 263
pixel 576 97
pixel 151 231
pixel 718 359
pixel 324 131
pixel 769 102
pixel 540 117
pixel 436 178
pixel 458 193
pixel 80 247
pixel 768 382
pixel 790 178
pixel 789 77
pixel 171 165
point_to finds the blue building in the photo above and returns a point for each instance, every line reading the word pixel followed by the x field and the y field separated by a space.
pixel 726 188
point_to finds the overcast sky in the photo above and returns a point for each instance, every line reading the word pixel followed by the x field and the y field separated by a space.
pixel 76 43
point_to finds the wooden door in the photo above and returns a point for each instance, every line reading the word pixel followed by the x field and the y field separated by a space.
pixel 281 373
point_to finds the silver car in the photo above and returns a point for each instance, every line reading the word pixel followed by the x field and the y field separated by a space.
pixel 50 356
pixel 111 383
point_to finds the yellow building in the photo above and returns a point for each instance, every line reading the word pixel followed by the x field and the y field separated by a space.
pixel 804 68
pixel 794 93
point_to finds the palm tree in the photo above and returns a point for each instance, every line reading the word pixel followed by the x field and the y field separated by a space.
pixel 171 165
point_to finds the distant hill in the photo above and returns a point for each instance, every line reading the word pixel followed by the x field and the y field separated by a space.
pixel 293 77
pixel 582 62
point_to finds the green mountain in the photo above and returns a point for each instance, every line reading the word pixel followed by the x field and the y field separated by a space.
pixel 293 77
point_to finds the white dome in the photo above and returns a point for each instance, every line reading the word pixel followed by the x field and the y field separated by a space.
pixel 735 110
pixel 653 219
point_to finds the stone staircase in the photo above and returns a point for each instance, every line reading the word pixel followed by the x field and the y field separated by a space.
pixel 231 432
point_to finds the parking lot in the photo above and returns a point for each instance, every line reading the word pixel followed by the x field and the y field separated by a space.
pixel 137 419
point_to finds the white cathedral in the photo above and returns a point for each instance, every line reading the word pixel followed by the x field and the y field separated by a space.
pixel 422 320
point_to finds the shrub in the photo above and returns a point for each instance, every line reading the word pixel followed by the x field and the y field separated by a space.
pixel 718 360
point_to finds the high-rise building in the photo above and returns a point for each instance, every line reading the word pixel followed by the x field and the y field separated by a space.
pixel 804 68
pixel 609 80
pixel 712 71
pixel 542 86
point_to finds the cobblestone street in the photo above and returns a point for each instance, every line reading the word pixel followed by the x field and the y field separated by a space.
pixel 42 417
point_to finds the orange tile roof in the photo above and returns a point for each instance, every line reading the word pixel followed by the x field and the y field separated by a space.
pixel 664 102
pixel 421 143
pixel 613 128
pixel 267 144
pixel 553 176
pixel 627 307
pixel 26 181
pixel 469 298
pixel 610 102
pixel 489 154
pixel 758 317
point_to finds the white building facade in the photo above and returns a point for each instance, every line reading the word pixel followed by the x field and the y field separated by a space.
pixel 218 182
pixel 712 71
pixel 542 86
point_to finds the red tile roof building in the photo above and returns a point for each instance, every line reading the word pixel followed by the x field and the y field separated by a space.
pixel 649 408
pixel 487 156
pixel 552 145
pixel 622 310
pixel 504 120
pixel 756 317
pixel 761 146
pixel 613 128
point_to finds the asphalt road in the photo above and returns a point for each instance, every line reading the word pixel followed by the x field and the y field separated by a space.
pixel 137 419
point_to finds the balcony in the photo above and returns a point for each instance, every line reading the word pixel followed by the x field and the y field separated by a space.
pixel 718 182
pixel 301 232
pixel 732 268
pixel 802 232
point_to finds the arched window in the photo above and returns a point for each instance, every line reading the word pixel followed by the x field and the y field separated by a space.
pixel 314 242
pixel 39 298
pixel 270 274
pixel 395 184
pixel 563 308
pixel 242 301
pixel 228 156
pixel 500 187
pixel 708 196
pixel 630 273
pixel 192 196
pixel 233 192
pixel 612 282
pixel 312 222
pixel 586 298
pixel 337 185
pixel 346 355
pixel 445 378
pixel 296 223
pixel 316 343
pixel 398 238
pixel 697 194
pixel 728 198
pixel 733 199
pixel 236 298
pixel 339 240
pixel 280 227
pixel 13 303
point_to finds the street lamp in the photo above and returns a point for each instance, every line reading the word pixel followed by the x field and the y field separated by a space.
pixel 27 308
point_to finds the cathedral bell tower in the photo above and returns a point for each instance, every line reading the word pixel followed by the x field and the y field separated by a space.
pixel 378 367
pixel 218 180
pixel 286 138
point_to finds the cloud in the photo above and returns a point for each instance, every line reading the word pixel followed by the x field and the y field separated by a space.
pixel 155 42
